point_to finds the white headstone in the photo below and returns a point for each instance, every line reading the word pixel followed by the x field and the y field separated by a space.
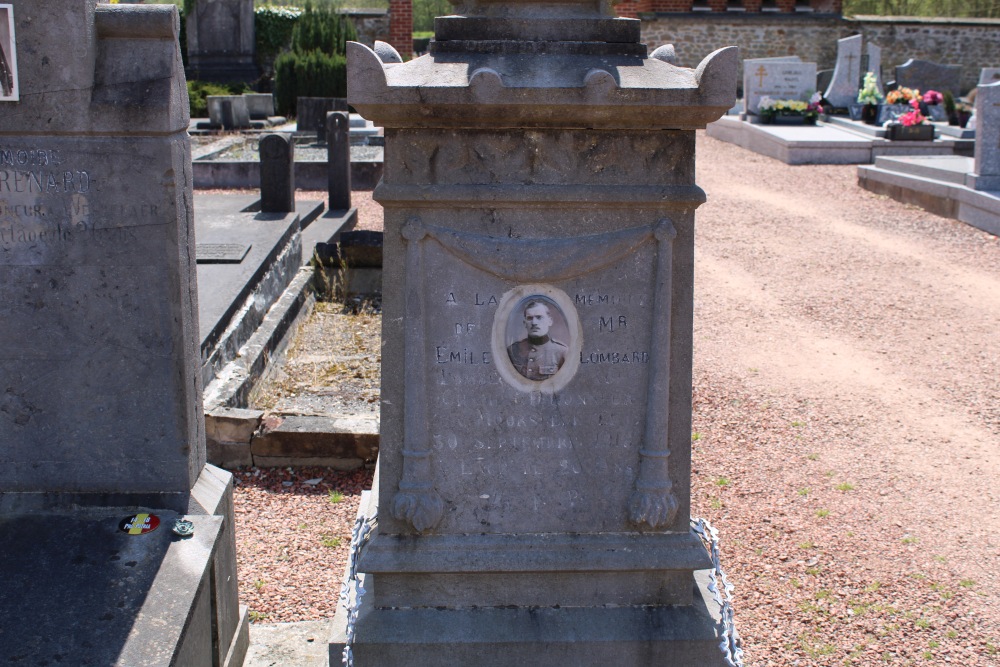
pixel 779 79
pixel 847 73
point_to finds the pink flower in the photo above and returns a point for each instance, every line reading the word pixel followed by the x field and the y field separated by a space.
pixel 933 97
pixel 912 118
pixel 915 104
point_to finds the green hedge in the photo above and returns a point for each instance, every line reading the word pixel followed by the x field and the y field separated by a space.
pixel 313 74
pixel 323 30
pixel 274 26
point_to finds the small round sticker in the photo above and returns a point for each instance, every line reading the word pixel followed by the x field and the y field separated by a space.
pixel 139 524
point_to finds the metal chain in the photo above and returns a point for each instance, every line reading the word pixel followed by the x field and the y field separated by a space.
pixel 718 585
pixel 363 528
pixel 731 646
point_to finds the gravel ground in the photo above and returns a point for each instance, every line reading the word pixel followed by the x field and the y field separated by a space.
pixel 846 427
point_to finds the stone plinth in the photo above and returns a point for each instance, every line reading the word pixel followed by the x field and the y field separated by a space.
pixel 220 41
pixel 539 195
pixel 100 396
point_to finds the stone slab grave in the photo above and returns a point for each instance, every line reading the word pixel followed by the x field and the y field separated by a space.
pixel 987 160
pixel 220 41
pixel 101 408
pixel 925 75
pixel 533 492
pixel 776 78
pixel 847 73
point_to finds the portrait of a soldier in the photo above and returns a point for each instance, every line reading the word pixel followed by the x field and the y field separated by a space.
pixel 538 356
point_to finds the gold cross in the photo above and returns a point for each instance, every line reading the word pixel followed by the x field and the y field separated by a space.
pixel 761 73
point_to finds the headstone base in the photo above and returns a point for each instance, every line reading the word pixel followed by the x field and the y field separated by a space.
pixel 498 637
pixel 222 70
pixel 987 183
pixel 507 636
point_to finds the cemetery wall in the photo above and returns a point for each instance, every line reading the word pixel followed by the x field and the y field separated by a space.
pixel 971 43
pixel 369 24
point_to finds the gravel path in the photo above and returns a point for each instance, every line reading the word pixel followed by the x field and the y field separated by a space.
pixel 846 424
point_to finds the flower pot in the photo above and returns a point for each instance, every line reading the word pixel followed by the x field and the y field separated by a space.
pixel 781 118
pixel 869 113
pixel 896 132
pixel 963 118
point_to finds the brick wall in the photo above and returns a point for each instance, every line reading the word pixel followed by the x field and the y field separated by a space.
pixel 971 43
pixel 401 27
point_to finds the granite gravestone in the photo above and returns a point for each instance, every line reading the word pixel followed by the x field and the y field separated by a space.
pixel 924 75
pixel 989 75
pixel 534 474
pixel 847 74
pixel 277 173
pixel 777 79
pixel 987 163
pixel 338 158
pixel 220 41
pixel 100 398
pixel 874 64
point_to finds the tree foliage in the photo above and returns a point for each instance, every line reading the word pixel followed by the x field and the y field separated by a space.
pixel 321 29
pixel 949 8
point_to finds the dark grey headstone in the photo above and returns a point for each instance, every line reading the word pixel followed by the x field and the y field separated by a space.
pixel 228 111
pixel 220 41
pixel 259 105
pixel 310 113
pixel 925 75
pixel 277 173
pixel 823 79
pixel 339 160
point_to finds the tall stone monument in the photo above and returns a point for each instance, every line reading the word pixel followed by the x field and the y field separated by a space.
pixel 533 491
pixel 103 445
pixel 847 74
pixel 220 41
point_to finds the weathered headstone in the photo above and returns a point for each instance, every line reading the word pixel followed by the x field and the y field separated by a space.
pixel 534 473
pixel 103 443
pixel 778 79
pixel 989 75
pixel 987 174
pixel 338 148
pixel 229 112
pixel 310 113
pixel 260 106
pixel 277 173
pixel 924 75
pixel 847 74
pixel 220 41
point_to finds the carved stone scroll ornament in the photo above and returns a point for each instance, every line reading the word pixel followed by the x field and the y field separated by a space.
pixel 417 502
pixel 653 503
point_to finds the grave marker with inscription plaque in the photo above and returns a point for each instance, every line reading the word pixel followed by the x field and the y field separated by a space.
pixel 100 396
pixel 534 470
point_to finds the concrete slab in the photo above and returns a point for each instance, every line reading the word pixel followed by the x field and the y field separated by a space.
pixel 912 181
pixel 837 141
pixel 233 298
pixel 281 644
pixel 948 168
pixel 87 593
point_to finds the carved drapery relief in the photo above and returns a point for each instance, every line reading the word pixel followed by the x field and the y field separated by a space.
pixel 536 260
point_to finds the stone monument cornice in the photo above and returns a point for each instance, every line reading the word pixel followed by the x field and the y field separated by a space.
pixel 538 90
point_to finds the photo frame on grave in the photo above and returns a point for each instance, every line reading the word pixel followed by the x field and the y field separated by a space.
pixel 9 84
pixel 510 334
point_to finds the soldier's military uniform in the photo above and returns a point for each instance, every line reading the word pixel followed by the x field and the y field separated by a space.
pixel 537 358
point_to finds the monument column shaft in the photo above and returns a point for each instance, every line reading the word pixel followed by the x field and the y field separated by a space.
pixel 539 198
